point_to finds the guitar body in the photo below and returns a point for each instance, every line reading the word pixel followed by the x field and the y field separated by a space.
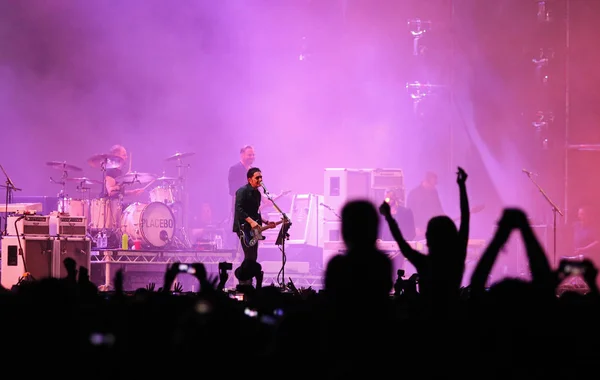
pixel 251 236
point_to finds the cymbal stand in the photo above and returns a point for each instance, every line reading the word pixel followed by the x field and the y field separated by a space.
pixel 103 168
pixel 182 197
pixel 62 195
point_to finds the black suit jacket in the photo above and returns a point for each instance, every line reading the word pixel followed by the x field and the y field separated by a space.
pixel 247 203
pixel 237 177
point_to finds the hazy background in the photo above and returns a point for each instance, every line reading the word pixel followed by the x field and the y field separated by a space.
pixel 208 76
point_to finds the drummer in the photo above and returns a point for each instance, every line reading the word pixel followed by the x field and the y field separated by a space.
pixel 113 188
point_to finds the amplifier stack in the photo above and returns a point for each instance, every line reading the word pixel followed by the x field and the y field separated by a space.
pixel 344 184
pixel 38 245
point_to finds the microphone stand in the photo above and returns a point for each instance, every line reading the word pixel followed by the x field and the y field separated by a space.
pixel 282 237
pixel 555 210
pixel 10 187
pixel 331 209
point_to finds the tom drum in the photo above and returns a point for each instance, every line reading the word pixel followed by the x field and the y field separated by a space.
pixel 105 213
pixel 162 194
pixel 151 223
pixel 73 207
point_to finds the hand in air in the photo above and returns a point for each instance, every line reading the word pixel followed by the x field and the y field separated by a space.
pixel 461 175
pixel 513 218
pixel 178 287
pixel 385 209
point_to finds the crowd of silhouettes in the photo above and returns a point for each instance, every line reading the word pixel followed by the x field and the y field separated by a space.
pixel 367 320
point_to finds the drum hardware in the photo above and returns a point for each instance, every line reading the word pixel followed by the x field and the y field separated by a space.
pixel 62 165
pixel 105 161
pixel 62 195
pixel 166 179
pixel 135 177
pixel 84 181
pixel 178 156
pixel 181 196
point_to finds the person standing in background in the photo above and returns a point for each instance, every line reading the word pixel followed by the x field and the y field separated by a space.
pixel 236 178
pixel 237 172
pixel 424 202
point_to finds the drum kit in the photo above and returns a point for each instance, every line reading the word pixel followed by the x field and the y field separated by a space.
pixel 158 223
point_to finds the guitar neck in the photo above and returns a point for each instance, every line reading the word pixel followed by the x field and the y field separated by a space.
pixel 262 228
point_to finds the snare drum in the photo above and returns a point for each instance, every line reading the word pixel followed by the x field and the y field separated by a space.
pixel 105 213
pixel 162 194
pixel 151 223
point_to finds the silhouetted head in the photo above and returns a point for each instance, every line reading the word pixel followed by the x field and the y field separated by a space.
pixel 248 270
pixel 360 224
pixel 441 233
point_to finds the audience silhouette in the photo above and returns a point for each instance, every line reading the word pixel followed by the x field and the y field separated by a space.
pixel 363 322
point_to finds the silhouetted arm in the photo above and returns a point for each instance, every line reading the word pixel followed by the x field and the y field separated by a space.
pixel 411 254
pixel 488 258
pixel 541 272
pixel 465 213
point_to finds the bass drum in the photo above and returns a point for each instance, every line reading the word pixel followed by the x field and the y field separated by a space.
pixel 151 223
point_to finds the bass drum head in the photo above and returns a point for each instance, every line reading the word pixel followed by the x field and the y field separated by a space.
pixel 157 224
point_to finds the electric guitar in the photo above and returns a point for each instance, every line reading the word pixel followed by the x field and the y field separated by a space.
pixel 266 203
pixel 251 236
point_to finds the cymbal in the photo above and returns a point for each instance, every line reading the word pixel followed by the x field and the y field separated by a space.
pixel 135 177
pixel 62 165
pixel 178 156
pixel 110 161
pixel 163 178
pixel 85 181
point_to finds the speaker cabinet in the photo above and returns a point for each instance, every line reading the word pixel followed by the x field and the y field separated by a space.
pixel 42 257
pixel 343 185
pixel 78 249
pixel 36 258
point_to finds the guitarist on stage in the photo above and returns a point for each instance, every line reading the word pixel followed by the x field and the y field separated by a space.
pixel 247 218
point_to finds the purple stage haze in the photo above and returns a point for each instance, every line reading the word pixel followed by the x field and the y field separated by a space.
pixel 310 84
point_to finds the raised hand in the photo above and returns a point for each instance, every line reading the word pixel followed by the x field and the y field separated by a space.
pixel 385 209
pixel 170 276
pixel 150 287
pixel 178 287
pixel 461 176
pixel 512 218
pixel 200 271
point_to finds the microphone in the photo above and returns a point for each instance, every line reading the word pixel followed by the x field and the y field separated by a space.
pixel 264 188
pixel 528 172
